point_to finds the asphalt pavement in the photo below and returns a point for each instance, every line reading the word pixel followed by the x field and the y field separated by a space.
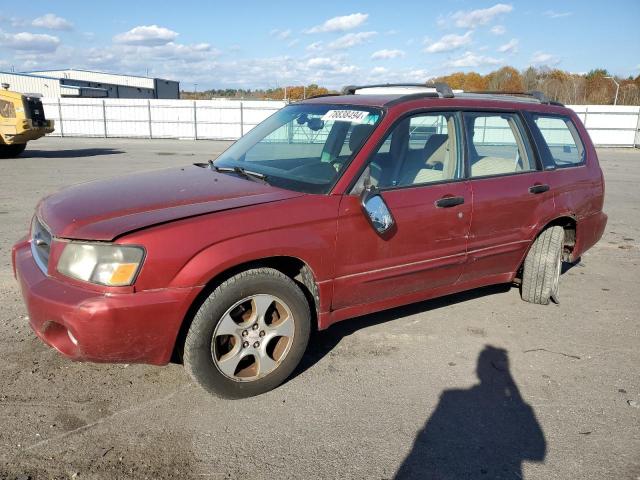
pixel 415 392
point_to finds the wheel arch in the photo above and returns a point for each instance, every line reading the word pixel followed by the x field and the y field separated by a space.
pixel 293 267
pixel 569 223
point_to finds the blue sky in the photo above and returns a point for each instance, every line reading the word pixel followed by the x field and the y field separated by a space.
pixel 333 43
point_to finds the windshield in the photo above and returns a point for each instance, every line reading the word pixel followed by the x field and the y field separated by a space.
pixel 302 147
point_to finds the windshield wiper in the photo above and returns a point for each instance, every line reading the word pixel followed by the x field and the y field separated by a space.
pixel 241 171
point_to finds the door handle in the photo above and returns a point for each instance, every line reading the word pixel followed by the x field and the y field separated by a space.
pixel 538 189
pixel 447 202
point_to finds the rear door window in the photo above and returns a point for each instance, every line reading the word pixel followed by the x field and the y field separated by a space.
pixel 565 149
pixel 496 144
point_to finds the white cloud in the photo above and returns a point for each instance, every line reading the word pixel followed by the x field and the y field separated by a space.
pixel 15 22
pixel 177 51
pixel 29 42
pixel 475 18
pixel 281 34
pixel 326 66
pixel 542 58
pixel 52 22
pixel 554 14
pixel 379 70
pixel 498 30
pixel 148 35
pixel 386 54
pixel 470 59
pixel 316 62
pixel 449 42
pixel 315 46
pixel 201 63
pixel 510 47
pixel 340 24
pixel 351 40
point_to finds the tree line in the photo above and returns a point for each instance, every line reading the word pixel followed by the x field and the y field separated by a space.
pixel 596 87
pixel 293 93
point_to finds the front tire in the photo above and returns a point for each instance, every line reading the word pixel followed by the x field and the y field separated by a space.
pixel 542 267
pixel 12 151
pixel 249 334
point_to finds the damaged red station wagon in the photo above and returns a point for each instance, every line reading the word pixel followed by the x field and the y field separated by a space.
pixel 333 207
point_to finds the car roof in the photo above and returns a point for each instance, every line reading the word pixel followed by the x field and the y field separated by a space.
pixel 434 95
pixel 364 100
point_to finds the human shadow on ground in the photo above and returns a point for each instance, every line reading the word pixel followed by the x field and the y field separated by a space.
pixel 485 432
pixel 71 153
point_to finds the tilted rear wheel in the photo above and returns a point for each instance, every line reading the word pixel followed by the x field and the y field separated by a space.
pixel 249 335
pixel 12 151
pixel 542 267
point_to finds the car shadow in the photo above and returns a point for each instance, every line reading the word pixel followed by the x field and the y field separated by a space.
pixel 74 153
pixel 322 342
pixel 486 431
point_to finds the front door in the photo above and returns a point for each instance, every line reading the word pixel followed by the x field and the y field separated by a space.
pixel 419 171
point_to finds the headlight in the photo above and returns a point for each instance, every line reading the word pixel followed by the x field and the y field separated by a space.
pixel 112 265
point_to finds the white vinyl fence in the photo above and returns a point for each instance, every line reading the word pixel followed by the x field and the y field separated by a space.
pixel 133 118
pixel 612 126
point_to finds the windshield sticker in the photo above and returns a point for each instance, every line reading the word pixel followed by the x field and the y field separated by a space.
pixel 353 116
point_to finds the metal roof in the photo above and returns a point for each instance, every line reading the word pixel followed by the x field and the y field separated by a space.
pixel 103 77
pixel 23 74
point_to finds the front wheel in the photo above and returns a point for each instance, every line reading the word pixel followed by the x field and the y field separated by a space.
pixel 249 334
pixel 542 267
pixel 12 151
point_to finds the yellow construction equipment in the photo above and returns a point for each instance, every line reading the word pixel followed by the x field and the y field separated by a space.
pixel 21 119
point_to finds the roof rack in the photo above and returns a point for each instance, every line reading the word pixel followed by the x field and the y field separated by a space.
pixel 442 88
pixel 534 94
pixel 322 95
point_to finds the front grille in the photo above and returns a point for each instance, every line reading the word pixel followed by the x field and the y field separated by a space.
pixel 40 244
pixel 35 111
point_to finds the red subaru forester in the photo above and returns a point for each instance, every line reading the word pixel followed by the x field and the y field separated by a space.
pixel 333 207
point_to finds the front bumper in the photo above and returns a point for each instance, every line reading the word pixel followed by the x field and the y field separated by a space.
pixel 84 324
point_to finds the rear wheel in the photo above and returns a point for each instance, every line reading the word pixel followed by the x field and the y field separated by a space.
pixel 542 267
pixel 249 335
pixel 12 151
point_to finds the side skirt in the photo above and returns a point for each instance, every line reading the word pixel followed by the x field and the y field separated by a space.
pixel 327 319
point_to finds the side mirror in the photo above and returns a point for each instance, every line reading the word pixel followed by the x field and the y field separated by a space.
pixel 376 209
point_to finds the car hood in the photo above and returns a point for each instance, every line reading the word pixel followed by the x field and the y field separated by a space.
pixel 106 209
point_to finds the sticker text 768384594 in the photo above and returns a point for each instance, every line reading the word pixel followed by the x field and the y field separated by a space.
pixel 353 116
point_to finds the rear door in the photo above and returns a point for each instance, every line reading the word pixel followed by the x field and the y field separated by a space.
pixel 511 193
pixel 419 170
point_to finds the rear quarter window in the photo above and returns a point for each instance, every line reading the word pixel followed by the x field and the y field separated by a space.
pixel 562 141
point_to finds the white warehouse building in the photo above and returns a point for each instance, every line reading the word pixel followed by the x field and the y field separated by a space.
pixel 89 84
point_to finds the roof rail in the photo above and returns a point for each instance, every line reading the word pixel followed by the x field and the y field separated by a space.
pixel 440 87
pixel 538 95
pixel 322 95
